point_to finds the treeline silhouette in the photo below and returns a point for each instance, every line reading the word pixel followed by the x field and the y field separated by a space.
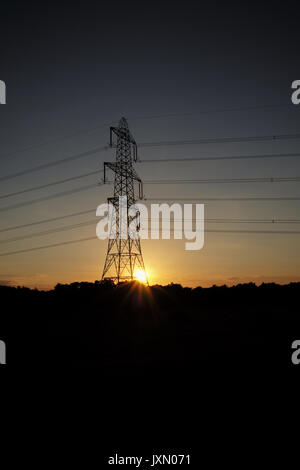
pixel 130 328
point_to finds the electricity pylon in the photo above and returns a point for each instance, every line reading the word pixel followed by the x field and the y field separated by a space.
pixel 124 255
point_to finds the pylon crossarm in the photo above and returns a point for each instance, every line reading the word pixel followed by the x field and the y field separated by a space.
pixel 121 171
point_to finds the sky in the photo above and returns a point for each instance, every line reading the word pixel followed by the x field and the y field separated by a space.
pixel 176 71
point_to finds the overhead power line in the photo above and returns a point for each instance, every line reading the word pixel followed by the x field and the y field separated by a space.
pixel 158 144
pixel 94 186
pixel 47 198
pixel 225 199
pixel 137 118
pixel 227 180
pixel 165 181
pixel 94 222
pixel 69 242
pixel 44 221
pixel 48 185
pixel 50 231
pixel 55 140
pixel 226 157
pixel 92 210
pixel 54 163
pixel 221 140
pixel 281 232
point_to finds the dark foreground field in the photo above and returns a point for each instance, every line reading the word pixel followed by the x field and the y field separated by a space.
pixel 130 329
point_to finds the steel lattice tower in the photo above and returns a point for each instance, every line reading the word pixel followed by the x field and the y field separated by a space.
pixel 124 255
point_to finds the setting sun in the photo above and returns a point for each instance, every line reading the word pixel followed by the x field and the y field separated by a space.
pixel 140 276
